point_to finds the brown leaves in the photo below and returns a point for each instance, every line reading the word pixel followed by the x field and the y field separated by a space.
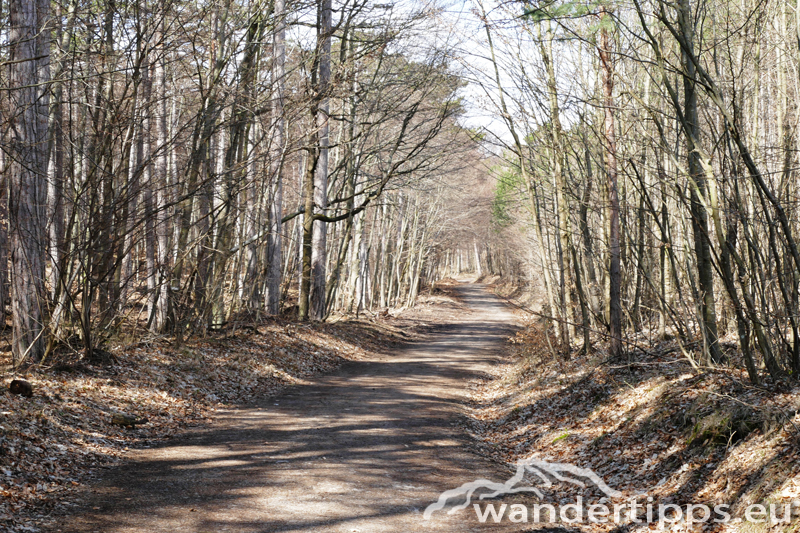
pixel 53 442
pixel 657 428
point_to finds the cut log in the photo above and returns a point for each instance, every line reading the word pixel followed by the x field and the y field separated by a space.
pixel 20 386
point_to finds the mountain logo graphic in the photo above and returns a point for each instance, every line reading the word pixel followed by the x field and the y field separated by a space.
pixel 542 469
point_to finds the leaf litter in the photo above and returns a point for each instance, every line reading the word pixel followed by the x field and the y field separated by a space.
pixel 656 428
pixel 55 443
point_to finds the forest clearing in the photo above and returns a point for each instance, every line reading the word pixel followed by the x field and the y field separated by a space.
pixel 350 266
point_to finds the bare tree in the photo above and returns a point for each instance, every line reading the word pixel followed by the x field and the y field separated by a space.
pixel 26 167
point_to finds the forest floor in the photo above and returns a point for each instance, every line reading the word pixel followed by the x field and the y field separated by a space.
pixel 360 424
pixel 58 442
pixel 363 448
pixel 658 430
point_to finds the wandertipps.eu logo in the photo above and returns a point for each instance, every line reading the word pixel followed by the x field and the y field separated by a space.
pixel 639 509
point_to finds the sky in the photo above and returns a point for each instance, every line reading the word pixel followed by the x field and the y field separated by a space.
pixel 456 29
pixel 463 35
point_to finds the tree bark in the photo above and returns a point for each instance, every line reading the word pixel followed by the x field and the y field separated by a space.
pixel 702 244
pixel 562 209
pixel 274 239
pixel 319 239
pixel 615 307
pixel 160 315
pixel 29 58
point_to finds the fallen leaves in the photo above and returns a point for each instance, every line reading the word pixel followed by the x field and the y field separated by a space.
pixel 658 427
pixel 78 419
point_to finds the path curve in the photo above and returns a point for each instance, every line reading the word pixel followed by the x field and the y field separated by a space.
pixel 364 449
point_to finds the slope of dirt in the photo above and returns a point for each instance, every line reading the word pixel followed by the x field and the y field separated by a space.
pixel 658 428
pixel 365 448
pixel 54 443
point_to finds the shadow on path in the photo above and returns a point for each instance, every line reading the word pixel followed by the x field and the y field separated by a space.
pixel 366 448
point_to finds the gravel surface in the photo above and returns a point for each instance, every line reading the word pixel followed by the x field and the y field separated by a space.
pixel 365 449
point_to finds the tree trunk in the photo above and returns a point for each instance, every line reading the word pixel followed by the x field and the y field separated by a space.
pixel 160 317
pixel 4 224
pixel 307 234
pixel 615 307
pixel 702 245
pixel 28 76
pixel 562 209
pixel 319 239
pixel 55 191
pixel 274 238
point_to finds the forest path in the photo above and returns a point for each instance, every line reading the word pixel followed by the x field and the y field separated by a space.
pixel 364 449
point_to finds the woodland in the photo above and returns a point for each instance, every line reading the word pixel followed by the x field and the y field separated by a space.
pixel 627 171
pixel 168 165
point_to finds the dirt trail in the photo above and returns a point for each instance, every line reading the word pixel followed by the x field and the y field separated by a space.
pixel 364 449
